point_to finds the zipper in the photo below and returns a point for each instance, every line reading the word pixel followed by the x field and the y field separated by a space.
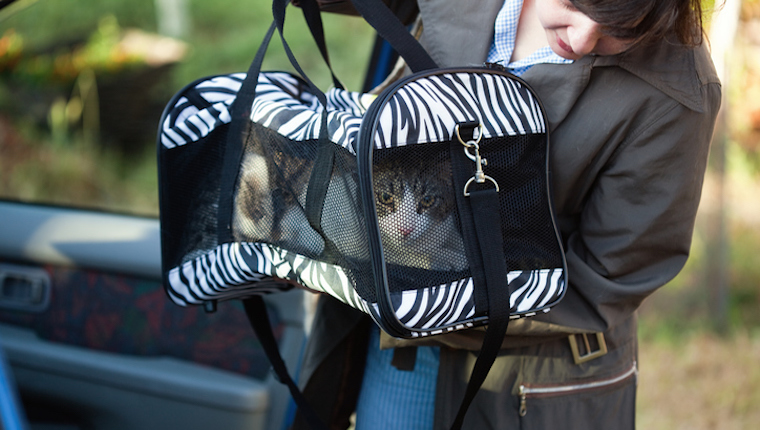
pixel 525 391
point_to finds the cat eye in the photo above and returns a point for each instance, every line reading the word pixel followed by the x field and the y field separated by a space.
pixel 428 201
pixel 385 198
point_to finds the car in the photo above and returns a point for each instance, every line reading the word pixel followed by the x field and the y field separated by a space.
pixel 93 342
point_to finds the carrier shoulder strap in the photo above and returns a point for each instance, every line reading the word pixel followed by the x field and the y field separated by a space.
pixel 480 216
pixel 487 220
pixel 390 28
pixel 256 310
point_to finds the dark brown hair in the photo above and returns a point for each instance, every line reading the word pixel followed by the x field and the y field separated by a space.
pixel 647 20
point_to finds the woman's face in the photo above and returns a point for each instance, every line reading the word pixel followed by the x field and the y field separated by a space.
pixel 572 34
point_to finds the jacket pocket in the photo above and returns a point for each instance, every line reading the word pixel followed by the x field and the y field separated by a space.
pixel 606 403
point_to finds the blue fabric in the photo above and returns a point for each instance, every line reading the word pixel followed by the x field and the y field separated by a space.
pixel 397 399
pixel 505 32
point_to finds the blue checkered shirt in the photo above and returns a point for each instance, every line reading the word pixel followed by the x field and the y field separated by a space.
pixel 505 31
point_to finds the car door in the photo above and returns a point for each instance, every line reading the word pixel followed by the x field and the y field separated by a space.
pixel 93 342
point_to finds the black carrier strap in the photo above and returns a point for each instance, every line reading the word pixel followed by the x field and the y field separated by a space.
pixel 257 313
pixel 487 220
pixel 480 219
pixel 241 107
pixel 255 308
pixel 390 28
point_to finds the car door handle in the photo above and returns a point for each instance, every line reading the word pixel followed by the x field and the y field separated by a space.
pixel 24 288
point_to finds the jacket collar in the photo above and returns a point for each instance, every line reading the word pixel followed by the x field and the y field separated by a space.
pixel 663 66
pixel 559 86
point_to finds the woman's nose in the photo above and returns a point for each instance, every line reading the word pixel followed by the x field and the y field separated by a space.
pixel 584 35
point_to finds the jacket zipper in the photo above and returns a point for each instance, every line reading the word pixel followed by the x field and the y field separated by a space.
pixel 526 391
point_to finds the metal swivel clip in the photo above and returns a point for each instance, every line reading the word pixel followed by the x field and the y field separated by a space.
pixel 479 177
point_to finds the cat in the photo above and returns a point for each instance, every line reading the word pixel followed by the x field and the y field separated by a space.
pixel 254 205
pixel 416 213
pixel 269 202
pixel 414 201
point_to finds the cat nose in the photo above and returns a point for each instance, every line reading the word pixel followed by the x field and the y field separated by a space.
pixel 405 231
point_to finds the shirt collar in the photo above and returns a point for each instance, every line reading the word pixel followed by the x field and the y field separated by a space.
pixel 503 45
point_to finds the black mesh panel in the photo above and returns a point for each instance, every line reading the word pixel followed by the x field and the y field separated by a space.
pixel 518 164
pixel 271 199
pixel 417 216
pixel 185 234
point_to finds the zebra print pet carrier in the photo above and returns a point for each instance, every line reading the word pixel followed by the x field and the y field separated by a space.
pixel 426 206
pixel 272 239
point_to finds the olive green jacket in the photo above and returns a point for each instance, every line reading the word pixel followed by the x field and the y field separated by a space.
pixel 629 140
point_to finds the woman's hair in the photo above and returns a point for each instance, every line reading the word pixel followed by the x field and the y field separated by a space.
pixel 647 20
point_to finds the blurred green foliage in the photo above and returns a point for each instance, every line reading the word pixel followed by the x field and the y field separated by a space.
pixel 223 35
pixel 48 47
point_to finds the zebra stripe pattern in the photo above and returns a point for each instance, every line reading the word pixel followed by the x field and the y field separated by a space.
pixel 239 269
pixel 199 110
pixel 434 308
pixel 427 109
pixel 282 104
pixel 423 110
pixel 236 270
pixel 220 274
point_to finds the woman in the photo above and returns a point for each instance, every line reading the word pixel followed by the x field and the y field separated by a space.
pixel 631 96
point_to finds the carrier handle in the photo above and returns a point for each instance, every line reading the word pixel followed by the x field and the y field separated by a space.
pixel 241 106
pixel 390 28
pixel 319 179
pixel 313 16
pixel 240 111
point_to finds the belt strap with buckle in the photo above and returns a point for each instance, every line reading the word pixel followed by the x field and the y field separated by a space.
pixel 589 351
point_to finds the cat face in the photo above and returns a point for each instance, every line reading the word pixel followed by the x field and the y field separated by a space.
pixel 411 201
pixel 416 216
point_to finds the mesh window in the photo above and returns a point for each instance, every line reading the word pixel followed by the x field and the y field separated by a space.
pixel 417 211
pixel 271 200
pixel 518 164
pixel 417 216
pixel 189 201
pixel 343 223
pixel 271 193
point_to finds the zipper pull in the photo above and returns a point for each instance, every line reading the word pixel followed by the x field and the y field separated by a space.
pixel 523 401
